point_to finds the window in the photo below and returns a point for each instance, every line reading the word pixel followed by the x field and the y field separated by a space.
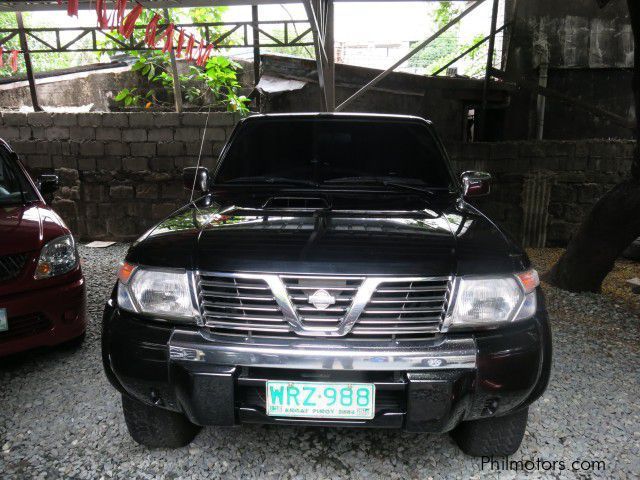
pixel 14 187
pixel 322 150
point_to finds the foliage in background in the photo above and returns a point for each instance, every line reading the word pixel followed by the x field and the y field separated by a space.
pixel 42 62
pixel 447 46
pixel 302 52
pixel 216 84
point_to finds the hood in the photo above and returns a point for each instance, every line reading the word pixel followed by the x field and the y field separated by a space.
pixel 389 234
pixel 26 228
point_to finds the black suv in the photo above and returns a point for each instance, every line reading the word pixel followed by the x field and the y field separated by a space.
pixel 331 273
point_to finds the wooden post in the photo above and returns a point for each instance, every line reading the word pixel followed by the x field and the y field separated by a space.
pixel 256 51
pixel 487 75
pixel 177 92
pixel 256 44
pixel 27 61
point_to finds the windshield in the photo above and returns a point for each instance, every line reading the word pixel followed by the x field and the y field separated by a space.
pixel 14 188
pixel 316 151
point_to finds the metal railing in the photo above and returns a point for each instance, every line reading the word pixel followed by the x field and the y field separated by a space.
pixel 295 33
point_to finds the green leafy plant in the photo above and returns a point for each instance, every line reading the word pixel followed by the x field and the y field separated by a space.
pixel 213 85
pixel 447 46
pixel 131 97
pixel 216 84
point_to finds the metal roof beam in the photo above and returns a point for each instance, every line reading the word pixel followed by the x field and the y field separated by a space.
pixel 36 5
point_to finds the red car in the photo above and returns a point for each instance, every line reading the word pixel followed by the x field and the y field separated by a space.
pixel 42 290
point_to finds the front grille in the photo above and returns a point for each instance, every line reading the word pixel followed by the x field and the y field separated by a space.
pixel 405 308
pixel 11 265
pixel 302 288
pixel 25 326
pixel 240 305
pixel 233 303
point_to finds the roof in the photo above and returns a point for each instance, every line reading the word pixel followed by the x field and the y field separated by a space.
pixel 336 115
pixel 34 5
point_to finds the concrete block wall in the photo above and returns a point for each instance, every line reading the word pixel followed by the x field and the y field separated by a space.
pixel 571 175
pixel 120 172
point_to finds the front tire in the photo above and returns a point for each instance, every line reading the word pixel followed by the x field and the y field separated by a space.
pixel 495 436
pixel 156 427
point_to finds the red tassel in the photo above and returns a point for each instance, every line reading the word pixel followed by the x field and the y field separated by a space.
pixel 200 55
pixel 129 23
pixel 168 43
pixel 150 34
pixel 101 12
pixel 121 8
pixel 59 2
pixel 180 43
pixel 1 57
pixel 204 55
pixel 207 54
pixel 72 8
pixel 190 44
pixel 14 60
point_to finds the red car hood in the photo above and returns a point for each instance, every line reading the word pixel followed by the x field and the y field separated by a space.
pixel 26 228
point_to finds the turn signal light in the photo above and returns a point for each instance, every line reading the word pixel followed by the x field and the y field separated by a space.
pixel 529 280
pixel 125 272
pixel 43 269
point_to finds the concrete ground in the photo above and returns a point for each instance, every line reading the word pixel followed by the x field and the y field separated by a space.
pixel 59 418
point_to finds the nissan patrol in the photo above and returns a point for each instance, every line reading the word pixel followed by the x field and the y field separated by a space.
pixel 333 272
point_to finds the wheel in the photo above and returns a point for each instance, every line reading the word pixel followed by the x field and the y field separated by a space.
pixel 155 427
pixel 496 436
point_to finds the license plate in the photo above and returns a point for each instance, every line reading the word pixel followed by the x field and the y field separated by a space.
pixel 4 323
pixel 321 400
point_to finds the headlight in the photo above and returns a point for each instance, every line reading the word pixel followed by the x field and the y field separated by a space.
pixel 493 300
pixel 57 257
pixel 161 292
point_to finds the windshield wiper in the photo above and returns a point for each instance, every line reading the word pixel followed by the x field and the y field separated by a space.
pixel 271 180
pixel 381 181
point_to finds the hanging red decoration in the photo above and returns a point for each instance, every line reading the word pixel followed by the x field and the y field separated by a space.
pixel 102 14
pixel 121 8
pixel 14 60
pixel 150 34
pixel 180 43
pixel 200 54
pixel 1 57
pixel 168 33
pixel 72 8
pixel 204 55
pixel 129 23
pixel 190 44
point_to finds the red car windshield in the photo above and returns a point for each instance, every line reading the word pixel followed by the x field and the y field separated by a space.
pixel 14 187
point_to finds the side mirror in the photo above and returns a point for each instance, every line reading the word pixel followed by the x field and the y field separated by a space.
pixel 196 176
pixel 47 184
pixel 476 184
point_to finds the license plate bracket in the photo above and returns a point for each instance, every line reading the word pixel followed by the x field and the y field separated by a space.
pixel 326 400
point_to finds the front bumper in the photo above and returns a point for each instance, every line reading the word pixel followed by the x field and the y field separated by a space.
pixel 44 317
pixel 420 386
